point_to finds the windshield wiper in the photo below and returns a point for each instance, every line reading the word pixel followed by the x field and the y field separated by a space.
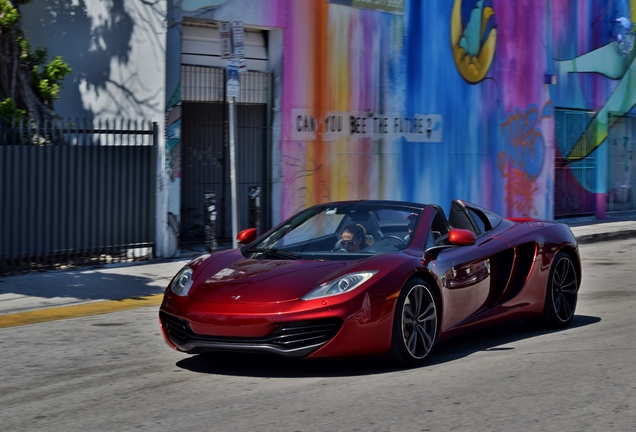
pixel 275 252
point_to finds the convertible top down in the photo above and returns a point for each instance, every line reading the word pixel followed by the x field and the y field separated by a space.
pixel 418 277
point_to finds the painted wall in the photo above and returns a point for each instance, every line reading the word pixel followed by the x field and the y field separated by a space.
pixel 433 100
pixel 435 105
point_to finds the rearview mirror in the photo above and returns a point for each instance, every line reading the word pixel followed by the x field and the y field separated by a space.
pixel 246 236
pixel 461 237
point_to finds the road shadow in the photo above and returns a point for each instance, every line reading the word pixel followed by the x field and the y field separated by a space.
pixel 270 366
pixel 493 338
pixel 107 283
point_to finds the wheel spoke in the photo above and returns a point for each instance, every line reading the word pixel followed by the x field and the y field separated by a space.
pixel 428 315
pixel 427 342
pixel 564 306
pixel 563 274
pixel 408 317
pixel 569 288
pixel 417 300
pixel 412 342
pixel 557 303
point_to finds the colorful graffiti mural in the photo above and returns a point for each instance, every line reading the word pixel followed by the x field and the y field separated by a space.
pixel 375 103
pixel 473 38
pixel 599 78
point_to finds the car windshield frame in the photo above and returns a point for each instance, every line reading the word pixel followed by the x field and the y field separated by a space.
pixel 314 233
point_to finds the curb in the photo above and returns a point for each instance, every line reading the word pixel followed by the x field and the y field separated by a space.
pixel 62 312
pixel 606 236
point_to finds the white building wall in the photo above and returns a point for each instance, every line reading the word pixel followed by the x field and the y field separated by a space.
pixel 117 50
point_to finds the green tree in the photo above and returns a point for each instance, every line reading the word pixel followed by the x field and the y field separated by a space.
pixel 28 83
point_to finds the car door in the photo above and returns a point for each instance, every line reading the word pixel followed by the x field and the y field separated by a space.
pixel 466 271
pixel 466 275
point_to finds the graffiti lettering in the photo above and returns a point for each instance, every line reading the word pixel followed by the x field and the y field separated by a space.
pixel 520 193
pixel 333 123
pixel 380 125
pixel 305 123
pixel 336 125
pixel 408 125
pixel 358 125
pixel 522 160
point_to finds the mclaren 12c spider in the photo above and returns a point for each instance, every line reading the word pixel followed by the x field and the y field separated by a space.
pixel 373 278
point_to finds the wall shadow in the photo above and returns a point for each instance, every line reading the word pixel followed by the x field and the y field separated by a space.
pixel 67 29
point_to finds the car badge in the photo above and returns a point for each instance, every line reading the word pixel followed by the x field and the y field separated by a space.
pixel 236 297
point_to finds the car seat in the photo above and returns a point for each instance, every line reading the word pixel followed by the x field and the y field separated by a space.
pixel 439 227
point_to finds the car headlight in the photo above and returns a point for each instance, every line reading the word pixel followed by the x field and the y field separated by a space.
pixel 182 283
pixel 340 285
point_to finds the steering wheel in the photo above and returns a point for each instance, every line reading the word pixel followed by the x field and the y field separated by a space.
pixel 401 241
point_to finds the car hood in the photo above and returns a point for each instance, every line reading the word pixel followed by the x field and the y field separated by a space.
pixel 262 281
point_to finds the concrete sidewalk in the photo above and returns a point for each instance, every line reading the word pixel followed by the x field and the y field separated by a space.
pixel 54 289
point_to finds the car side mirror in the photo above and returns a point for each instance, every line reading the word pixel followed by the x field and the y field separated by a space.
pixel 246 236
pixel 461 237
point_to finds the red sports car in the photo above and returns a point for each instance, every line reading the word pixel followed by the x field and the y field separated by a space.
pixel 366 278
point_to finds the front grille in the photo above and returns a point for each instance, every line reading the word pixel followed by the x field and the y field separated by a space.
pixel 291 338
pixel 177 329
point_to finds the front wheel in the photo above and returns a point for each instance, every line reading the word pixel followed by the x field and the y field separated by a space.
pixel 415 324
pixel 561 293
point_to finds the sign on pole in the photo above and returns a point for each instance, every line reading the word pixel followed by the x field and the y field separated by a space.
pixel 238 39
pixel 233 88
pixel 225 31
pixel 233 79
pixel 233 66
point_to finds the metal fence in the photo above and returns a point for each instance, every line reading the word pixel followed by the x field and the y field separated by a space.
pixel 574 183
pixel 621 165
pixel 76 193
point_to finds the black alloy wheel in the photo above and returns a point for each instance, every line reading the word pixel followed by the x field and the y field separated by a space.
pixel 415 324
pixel 561 293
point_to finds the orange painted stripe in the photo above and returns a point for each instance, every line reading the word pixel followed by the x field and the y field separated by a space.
pixel 76 311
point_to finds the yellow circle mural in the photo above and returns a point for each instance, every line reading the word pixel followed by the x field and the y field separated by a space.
pixel 473 38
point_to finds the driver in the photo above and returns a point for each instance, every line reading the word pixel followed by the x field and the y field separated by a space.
pixel 354 238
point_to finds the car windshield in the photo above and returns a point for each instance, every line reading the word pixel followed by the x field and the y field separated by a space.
pixel 339 231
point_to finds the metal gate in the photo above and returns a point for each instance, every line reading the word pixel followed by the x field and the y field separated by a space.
pixel 574 182
pixel 621 166
pixel 76 193
pixel 205 152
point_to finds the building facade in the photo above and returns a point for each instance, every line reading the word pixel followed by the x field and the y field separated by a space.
pixel 522 107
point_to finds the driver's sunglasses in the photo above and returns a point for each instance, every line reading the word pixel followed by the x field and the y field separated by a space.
pixel 348 242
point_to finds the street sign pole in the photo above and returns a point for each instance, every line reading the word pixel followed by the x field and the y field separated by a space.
pixel 232 107
pixel 233 49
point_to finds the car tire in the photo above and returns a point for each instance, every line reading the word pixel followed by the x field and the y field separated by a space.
pixel 415 324
pixel 561 293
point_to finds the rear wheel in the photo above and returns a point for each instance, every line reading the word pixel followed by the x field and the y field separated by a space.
pixel 561 293
pixel 415 324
